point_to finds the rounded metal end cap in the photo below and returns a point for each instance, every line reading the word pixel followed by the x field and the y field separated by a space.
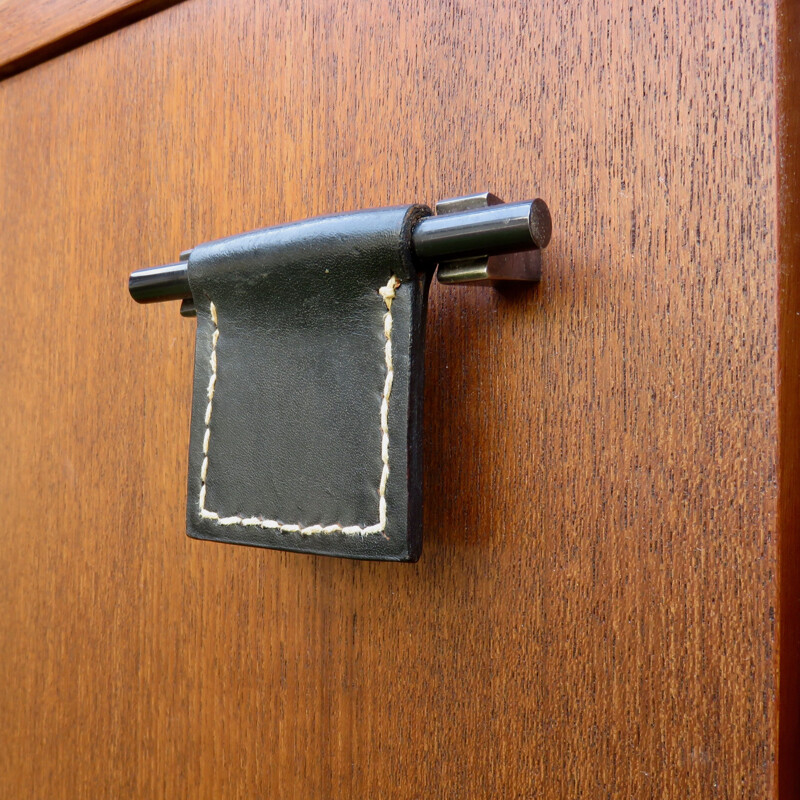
pixel 540 223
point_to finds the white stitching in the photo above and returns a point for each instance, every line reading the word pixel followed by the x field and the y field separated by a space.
pixel 387 293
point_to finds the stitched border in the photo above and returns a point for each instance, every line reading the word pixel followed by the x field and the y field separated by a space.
pixel 387 293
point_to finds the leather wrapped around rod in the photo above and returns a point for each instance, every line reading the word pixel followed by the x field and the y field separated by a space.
pixel 306 428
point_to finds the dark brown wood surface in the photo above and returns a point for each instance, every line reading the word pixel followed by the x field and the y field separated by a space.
pixel 788 185
pixel 596 609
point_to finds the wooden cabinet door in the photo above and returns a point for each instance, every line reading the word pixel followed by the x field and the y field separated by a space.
pixel 607 593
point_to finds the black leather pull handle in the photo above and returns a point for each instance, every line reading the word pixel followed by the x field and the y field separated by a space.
pixel 307 406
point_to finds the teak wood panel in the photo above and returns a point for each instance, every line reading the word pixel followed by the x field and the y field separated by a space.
pixel 594 613
pixel 788 169
pixel 32 31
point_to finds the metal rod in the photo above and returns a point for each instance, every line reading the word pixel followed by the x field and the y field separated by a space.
pixel 490 231
pixel 151 285
pixel 495 230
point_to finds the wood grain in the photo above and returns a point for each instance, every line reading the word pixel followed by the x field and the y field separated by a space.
pixel 595 613
pixel 32 31
pixel 788 170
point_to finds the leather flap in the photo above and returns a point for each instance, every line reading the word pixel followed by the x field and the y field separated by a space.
pixel 307 407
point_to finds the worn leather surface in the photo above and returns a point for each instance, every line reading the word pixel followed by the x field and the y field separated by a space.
pixel 294 432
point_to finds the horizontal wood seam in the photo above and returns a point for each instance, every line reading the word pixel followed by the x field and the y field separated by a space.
pixel 71 37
